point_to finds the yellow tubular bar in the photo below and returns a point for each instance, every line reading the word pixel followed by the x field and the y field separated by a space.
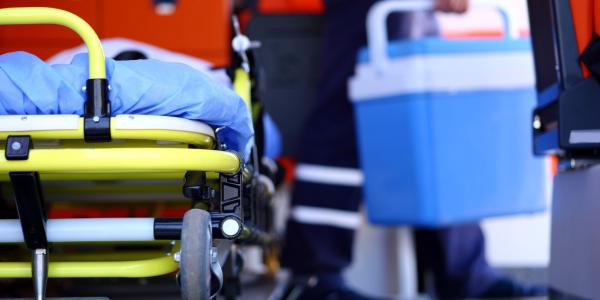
pixel 46 15
pixel 128 160
pixel 241 85
pixel 106 256
pixel 156 188
pixel 187 137
pixel 104 176
pixel 115 269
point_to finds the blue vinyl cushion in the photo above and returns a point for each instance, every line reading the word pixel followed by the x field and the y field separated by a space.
pixel 29 86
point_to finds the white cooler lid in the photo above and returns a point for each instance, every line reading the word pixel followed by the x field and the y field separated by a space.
pixel 444 73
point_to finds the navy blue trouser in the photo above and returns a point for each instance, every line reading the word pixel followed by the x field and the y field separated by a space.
pixel 327 191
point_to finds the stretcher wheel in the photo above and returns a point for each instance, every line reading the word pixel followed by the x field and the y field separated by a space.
pixel 194 269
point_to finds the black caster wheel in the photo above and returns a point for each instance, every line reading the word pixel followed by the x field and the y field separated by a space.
pixel 195 261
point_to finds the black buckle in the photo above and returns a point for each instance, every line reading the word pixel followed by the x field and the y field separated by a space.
pixel 17 147
pixel 96 129
pixel 96 124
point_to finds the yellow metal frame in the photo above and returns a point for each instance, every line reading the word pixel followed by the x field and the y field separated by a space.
pixel 185 137
pixel 106 265
pixel 110 162
pixel 150 187
pixel 179 136
pixel 104 176
pixel 46 15
pixel 108 256
pixel 242 86
pixel 132 268
pixel 126 160
pixel 113 176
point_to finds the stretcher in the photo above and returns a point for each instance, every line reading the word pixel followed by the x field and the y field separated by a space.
pixel 227 192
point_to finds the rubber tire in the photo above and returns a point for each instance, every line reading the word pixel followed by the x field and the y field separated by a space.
pixel 194 268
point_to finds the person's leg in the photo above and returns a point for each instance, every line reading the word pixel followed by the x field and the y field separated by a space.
pixel 320 231
pixel 325 201
pixel 327 191
pixel 327 188
pixel 455 257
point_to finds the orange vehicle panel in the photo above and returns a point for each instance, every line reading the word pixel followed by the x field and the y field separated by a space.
pixel 197 28
pixel 597 17
pixel 290 6
pixel 583 15
pixel 46 40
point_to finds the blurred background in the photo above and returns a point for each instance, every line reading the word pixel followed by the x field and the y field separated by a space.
pixel 290 35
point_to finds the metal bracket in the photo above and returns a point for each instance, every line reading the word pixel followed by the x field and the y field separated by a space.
pixel 216 273
pixel 227 218
pixel 232 270
pixel 32 215
pixel 39 272
pixel 96 123
pixel 30 207
pixel 231 194
pixel 196 189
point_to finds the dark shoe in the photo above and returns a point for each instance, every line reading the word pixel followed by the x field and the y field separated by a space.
pixel 509 288
pixel 323 287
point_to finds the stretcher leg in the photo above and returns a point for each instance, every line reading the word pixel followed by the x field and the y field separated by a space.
pixel 39 271
pixel 32 216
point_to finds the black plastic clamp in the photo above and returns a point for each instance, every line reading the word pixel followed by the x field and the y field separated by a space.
pixel 17 147
pixel 231 188
pixel 96 118
pixel 30 207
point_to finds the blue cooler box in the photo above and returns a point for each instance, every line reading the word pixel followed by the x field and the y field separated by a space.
pixel 444 130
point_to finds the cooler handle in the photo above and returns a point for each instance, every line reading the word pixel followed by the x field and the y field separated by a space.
pixel 377 27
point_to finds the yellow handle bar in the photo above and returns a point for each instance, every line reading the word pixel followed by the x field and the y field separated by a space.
pixel 241 85
pixel 47 15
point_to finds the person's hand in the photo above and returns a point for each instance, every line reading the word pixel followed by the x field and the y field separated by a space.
pixel 452 6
